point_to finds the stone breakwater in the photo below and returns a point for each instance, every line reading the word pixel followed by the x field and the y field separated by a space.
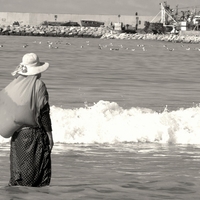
pixel 160 37
pixel 54 31
pixel 94 32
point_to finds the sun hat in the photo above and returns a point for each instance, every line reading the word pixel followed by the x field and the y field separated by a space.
pixel 31 65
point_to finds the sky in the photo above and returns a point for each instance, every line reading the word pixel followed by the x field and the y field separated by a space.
pixel 94 7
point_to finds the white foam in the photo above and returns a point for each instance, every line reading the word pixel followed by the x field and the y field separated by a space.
pixel 107 122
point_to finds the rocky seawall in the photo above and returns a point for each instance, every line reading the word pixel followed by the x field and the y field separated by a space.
pixel 94 32
pixel 160 37
pixel 54 31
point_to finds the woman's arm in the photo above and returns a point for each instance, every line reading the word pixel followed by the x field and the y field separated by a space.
pixel 46 123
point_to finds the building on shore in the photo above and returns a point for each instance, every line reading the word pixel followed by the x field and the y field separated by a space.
pixel 35 19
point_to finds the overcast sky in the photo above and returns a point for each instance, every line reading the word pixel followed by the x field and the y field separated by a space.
pixel 107 7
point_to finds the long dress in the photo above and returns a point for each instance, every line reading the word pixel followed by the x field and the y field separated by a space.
pixel 30 154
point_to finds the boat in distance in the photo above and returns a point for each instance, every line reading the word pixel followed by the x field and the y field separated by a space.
pixel 91 23
pixel 70 23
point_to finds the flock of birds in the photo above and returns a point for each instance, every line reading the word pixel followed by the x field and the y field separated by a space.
pixel 110 46
pixel 183 46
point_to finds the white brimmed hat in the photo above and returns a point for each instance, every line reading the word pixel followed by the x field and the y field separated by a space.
pixel 31 65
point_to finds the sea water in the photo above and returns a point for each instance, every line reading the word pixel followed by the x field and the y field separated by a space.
pixel 125 118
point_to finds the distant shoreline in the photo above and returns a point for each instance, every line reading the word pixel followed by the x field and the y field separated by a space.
pixel 96 32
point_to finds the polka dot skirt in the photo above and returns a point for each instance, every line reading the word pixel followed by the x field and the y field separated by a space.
pixel 30 158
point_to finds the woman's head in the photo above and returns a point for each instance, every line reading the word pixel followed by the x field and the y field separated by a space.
pixel 31 65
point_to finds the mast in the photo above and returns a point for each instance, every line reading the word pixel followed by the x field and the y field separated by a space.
pixel 162 11
pixel 165 13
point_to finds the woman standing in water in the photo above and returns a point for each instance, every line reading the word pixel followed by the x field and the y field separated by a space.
pixel 32 142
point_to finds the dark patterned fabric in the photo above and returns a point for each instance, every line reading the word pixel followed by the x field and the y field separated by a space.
pixel 30 155
pixel 45 119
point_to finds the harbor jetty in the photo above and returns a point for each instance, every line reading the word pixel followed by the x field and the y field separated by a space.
pixel 96 32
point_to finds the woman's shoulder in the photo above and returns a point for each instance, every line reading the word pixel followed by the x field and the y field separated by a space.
pixel 40 84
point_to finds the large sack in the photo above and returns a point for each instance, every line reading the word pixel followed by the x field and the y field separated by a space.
pixel 7 117
pixel 17 105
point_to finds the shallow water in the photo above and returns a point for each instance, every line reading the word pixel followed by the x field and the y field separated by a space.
pixel 121 171
pixel 133 148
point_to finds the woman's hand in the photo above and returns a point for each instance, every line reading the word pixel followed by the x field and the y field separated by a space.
pixel 51 142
